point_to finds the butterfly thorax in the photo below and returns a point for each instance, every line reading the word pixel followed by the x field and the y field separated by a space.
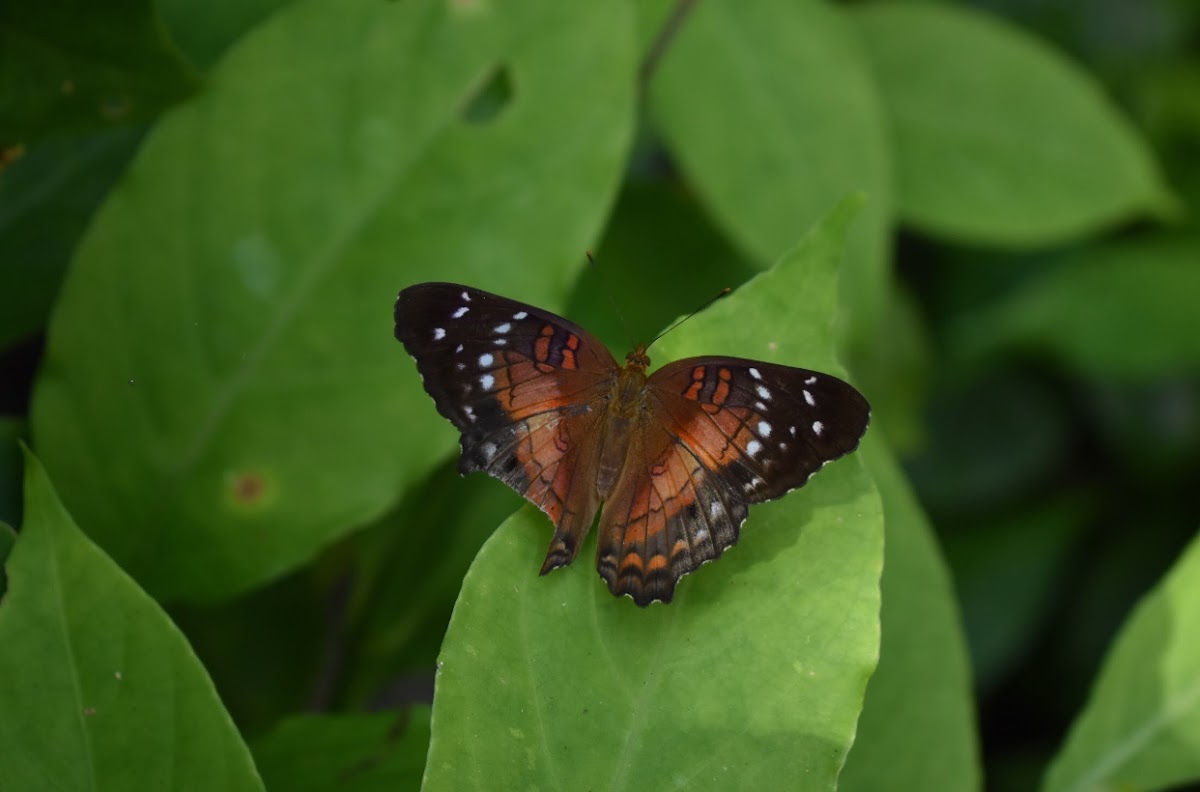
pixel 624 406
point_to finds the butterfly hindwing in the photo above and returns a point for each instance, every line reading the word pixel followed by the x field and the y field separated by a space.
pixel 668 514
pixel 519 383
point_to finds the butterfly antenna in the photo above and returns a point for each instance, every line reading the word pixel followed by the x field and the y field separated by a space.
pixel 608 291
pixel 724 292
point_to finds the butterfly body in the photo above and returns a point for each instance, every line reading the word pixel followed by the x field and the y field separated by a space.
pixel 673 458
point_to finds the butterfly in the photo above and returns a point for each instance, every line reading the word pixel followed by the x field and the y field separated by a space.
pixel 671 459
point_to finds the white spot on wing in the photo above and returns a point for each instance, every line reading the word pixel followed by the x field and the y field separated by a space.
pixel 792 429
pixel 466 297
pixel 818 427
pixel 760 406
pixel 487 381
pixel 519 315
pixel 808 397
pixel 460 313
pixel 467 411
pixel 485 360
pixel 701 533
pixel 488 450
pixel 503 328
pixel 810 381
pixel 755 373
pixel 501 341
pixel 439 333
pixel 763 392
pixel 714 511
pixel 458 348
pixel 753 447
pixel 764 429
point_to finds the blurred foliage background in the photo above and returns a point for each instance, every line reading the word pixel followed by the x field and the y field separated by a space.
pixel 1018 299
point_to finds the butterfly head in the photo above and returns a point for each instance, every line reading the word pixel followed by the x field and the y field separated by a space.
pixel 638 359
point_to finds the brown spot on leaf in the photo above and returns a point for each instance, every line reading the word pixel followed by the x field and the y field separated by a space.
pixel 248 487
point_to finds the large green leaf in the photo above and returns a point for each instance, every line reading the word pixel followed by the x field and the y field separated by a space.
pixel 221 394
pixel 917 729
pixel 1141 726
pixel 752 678
pixel 770 110
pixel 98 689
pixel 1124 310
pixel 350 753
pixel 997 139
pixel 70 65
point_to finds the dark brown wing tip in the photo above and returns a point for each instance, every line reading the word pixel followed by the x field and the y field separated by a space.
pixel 561 553
pixel 643 592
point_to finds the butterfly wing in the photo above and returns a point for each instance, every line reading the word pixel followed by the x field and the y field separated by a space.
pixel 524 387
pixel 716 435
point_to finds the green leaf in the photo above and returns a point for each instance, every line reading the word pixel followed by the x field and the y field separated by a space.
pixel 1010 568
pixel 998 139
pixel 754 674
pixel 1125 310
pixel 785 124
pixel 402 600
pixel 222 395
pixel 98 688
pixel 659 258
pixel 917 729
pixel 47 198
pixel 72 65
pixel 205 30
pixel 1141 726
pixel 7 538
pixel 350 753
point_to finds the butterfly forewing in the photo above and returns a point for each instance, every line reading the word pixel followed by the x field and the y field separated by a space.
pixel 522 386
pixel 766 428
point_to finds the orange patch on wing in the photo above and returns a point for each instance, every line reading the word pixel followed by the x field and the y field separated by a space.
pixel 722 391
pixel 541 347
pixel 711 437
pixel 693 391
pixel 632 559
pixel 568 352
pixel 523 391
pixel 541 452
pixel 656 563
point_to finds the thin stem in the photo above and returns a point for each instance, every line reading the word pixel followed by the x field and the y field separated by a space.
pixel 665 35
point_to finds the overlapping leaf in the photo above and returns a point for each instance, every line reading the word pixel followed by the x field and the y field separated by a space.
pixel 222 395
pixel 1141 726
pixel 771 112
pixel 753 677
pixel 997 139
pixel 98 689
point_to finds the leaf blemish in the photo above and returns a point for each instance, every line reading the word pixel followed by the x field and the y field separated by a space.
pixel 248 487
